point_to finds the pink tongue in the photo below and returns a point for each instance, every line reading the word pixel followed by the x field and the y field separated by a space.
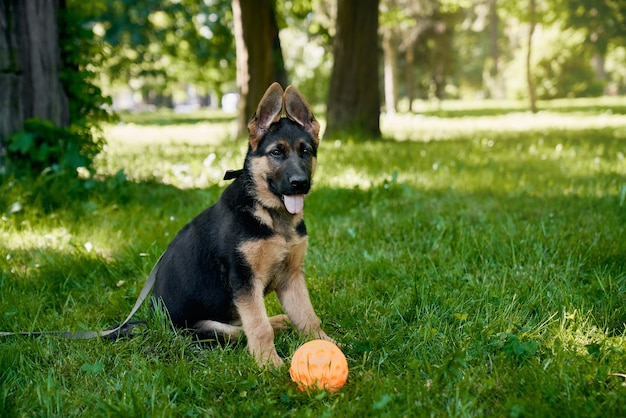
pixel 294 203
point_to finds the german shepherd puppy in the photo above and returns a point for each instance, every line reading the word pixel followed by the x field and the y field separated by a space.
pixel 215 273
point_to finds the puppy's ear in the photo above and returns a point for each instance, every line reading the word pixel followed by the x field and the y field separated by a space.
pixel 299 111
pixel 269 110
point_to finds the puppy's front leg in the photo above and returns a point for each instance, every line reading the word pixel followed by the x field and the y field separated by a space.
pixel 257 327
pixel 294 298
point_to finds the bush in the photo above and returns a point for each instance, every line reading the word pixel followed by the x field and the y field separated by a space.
pixel 561 67
pixel 43 147
pixel 564 68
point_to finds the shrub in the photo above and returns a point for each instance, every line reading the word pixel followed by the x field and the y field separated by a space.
pixel 43 147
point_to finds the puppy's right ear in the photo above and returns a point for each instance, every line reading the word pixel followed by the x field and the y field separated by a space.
pixel 269 110
pixel 298 110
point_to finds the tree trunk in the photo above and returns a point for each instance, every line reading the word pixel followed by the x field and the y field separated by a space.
pixel 30 61
pixel 598 62
pixel 390 54
pixel 354 96
pixel 410 75
pixel 259 55
pixel 496 90
pixel 532 95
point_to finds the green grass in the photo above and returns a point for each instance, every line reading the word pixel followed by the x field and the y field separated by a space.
pixel 475 267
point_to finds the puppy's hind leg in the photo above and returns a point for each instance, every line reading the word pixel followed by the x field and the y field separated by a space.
pixel 224 332
pixel 280 323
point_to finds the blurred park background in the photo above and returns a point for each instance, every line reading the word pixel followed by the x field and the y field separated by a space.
pixel 73 63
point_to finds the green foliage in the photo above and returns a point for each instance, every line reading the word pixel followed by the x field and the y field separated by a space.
pixel 82 58
pixel 563 66
pixel 306 43
pixel 160 42
pixel 603 21
pixel 43 146
pixel 162 47
pixel 479 62
pixel 514 346
pixel 477 275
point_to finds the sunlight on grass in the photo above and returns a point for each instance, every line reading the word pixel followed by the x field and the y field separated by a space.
pixel 197 155
pixel 186 156
pixel 38 238
pixel 429 128
pixel 56 238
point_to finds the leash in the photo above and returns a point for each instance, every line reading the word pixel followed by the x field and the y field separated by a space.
pixel 86 335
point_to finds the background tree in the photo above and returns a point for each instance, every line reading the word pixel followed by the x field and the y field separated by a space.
pixel 417 38
pixel 494 86
pixel 30 65
pixel 532 23
pixel 259 55
pixel 354 97
pixel 441 34
pixel 401 24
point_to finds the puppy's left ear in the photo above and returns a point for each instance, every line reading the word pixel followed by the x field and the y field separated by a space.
pixel 299 111
pixel 269 111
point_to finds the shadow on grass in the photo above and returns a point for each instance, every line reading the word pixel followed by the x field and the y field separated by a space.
pixel 570 248
pixel 553 253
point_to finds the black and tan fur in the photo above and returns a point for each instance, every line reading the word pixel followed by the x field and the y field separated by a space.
pixel 214 275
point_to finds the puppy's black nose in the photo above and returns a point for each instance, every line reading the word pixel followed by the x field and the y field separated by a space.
pixel 299 184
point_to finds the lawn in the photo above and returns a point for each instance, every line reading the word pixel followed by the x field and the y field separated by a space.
pixel 469 264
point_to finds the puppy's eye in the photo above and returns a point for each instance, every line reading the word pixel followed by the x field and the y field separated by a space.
pixel 276 152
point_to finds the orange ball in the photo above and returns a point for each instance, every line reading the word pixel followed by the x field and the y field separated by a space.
pixel 319 364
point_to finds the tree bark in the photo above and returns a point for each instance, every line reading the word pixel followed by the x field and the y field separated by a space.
pixel 354 96
pixel 409 75
pixel 30 62
pixel 259 55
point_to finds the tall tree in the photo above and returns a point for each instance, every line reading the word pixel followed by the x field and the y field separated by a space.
pixel 259 55
pixel 30 62
pixel 496 89
pixel 390 73
pixel 354 97
pixel 532 21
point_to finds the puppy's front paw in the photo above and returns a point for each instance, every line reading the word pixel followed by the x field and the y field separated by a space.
pixel 321 335
pixel 280 323
pixel 269 359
